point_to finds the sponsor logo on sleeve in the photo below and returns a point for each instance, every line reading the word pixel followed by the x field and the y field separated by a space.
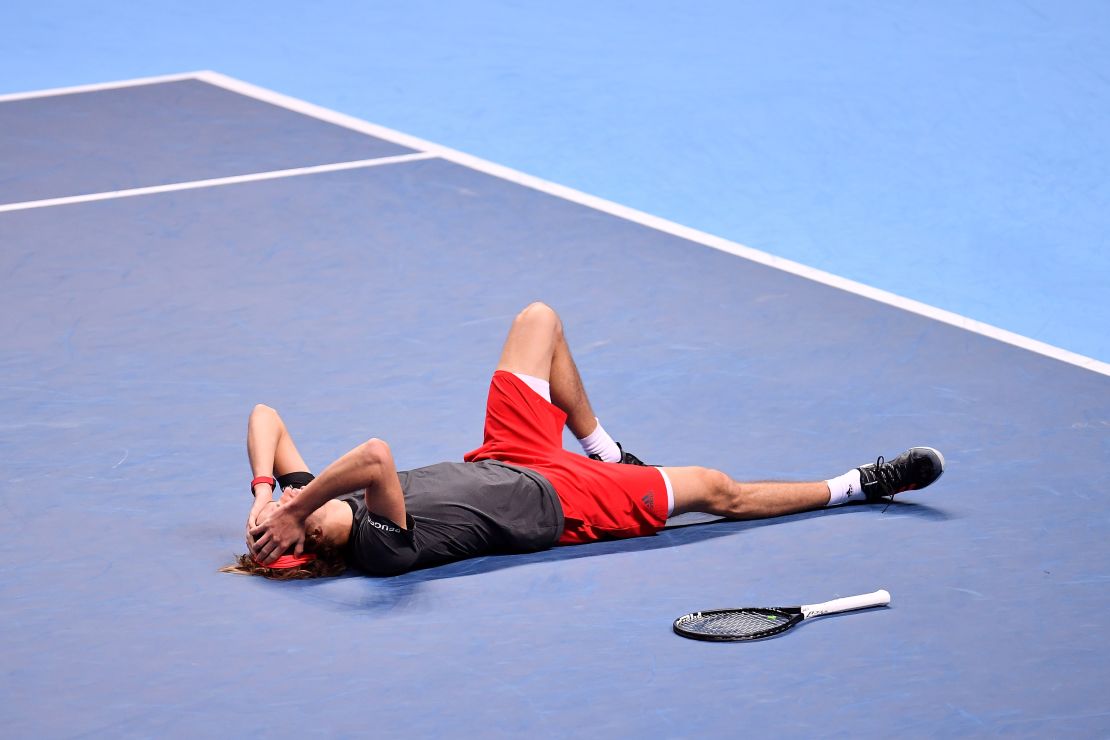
pixel 384 526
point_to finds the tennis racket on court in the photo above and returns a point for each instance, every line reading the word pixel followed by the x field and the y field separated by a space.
pixel 756 623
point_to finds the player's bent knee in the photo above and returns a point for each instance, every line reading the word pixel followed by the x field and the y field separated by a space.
pixel 538 307
pixel 539 312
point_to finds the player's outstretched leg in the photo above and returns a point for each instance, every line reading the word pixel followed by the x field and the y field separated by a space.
pixel 704 489
pixel 714 492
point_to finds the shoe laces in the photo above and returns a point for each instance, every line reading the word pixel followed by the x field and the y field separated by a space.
pixel 889 476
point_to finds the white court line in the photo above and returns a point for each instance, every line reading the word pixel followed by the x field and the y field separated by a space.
pixel 97 87
pixel 655 222
pixel 430 149
pixel 214 182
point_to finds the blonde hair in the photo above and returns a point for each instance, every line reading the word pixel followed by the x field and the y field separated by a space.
pixel 328 562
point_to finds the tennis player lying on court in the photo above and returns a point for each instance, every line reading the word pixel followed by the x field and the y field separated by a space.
pixel 519 492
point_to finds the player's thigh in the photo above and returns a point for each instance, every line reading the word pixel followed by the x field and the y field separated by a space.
pixel 531 342
pixel 698 489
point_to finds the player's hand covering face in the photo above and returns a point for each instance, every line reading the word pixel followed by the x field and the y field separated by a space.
pixel 288 495
pixel 276 532
pixel 259 511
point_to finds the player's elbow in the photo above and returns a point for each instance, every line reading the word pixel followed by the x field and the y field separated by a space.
pixel 266 416
pixel 375 453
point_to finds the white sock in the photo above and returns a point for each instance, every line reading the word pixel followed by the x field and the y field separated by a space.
pixel 845 488
pixel 598 442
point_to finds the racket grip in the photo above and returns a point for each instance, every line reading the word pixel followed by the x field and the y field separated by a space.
pixel 863 601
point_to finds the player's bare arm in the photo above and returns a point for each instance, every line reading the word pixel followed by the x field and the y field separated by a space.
pixel 368 467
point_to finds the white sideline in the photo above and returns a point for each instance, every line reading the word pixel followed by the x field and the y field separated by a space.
pixel 216 181
pixel 659 224
pixel 428 149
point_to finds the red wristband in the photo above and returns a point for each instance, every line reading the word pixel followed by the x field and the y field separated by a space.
pixel 262 479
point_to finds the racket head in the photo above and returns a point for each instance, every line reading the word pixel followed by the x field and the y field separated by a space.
pixel 734 625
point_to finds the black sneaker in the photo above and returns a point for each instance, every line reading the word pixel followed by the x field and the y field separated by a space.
pixel 627 458
pixel 915 468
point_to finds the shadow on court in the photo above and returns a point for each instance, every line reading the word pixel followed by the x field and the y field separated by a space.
pixel 386 594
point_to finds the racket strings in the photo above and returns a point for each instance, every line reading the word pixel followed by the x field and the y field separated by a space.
pixel 736 623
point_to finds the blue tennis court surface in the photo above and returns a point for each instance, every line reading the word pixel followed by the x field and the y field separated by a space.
pixel 372 301
pixel 87 143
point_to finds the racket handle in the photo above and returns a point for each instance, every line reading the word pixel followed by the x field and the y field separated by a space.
pixel 863 601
